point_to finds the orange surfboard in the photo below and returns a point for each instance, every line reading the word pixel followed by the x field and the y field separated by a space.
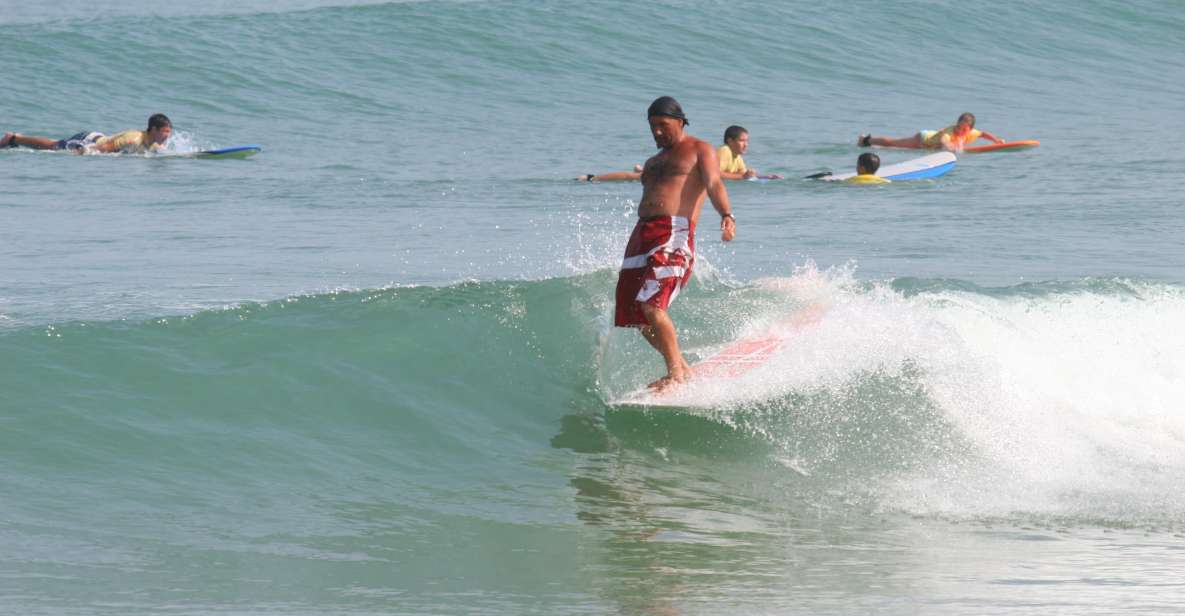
pixel 1006 146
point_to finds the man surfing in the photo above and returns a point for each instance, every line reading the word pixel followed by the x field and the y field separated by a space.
pixel 661 249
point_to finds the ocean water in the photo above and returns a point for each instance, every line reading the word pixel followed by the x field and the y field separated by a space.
pixel 371 369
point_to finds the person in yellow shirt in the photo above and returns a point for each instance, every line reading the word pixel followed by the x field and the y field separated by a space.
pixel 953 138
pixel 866 166
pixel 732 165
pixel 88 142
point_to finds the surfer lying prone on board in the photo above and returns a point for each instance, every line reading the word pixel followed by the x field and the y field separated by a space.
pixel 953 138
pixel 89 142
pixel 732 165
pixel 661 249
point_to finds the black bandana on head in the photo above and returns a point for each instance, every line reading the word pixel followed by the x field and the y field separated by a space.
pixel 667 106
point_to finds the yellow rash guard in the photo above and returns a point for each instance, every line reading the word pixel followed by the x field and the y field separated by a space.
pixel 729 162
pixel 129 141
pixel 867 178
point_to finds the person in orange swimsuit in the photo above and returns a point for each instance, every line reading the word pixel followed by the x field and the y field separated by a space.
pixel 952 138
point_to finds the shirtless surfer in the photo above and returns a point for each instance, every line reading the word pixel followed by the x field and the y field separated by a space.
pixel 661 249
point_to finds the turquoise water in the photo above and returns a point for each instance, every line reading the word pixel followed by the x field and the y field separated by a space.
pixel 370 370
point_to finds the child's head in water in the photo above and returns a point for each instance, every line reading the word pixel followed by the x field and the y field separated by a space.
pixel 868 163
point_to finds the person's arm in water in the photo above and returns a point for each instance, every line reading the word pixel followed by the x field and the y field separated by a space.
pixel 746 174
pixel 749 173
pixel 990 137
pixel 709 168
pixel 613 176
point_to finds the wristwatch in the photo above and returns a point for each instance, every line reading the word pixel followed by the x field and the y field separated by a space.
pixel 728 215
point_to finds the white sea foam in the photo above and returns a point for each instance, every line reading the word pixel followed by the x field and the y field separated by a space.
pixel 1073 401
pixel 1066 401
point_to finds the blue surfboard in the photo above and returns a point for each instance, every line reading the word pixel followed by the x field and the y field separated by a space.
pixel 238 151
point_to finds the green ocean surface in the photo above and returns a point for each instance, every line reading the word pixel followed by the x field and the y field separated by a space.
pixel 371 369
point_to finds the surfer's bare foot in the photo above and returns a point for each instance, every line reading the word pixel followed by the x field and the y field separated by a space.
pixel 672 380
pixel 662 385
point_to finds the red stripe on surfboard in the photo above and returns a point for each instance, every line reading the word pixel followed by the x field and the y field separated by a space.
pixel 738 358
pixel 744 355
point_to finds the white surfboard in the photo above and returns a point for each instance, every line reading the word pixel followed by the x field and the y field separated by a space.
pixel 930 166
pixel 732 362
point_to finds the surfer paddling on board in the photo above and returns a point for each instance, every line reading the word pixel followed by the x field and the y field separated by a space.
pixel 88 142
pixel 953 138
pixel 661 249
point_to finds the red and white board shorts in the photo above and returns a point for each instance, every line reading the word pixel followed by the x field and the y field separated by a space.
pixel 657 265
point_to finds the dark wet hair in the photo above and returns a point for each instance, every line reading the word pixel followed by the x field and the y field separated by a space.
pixel 869 162
pixel 159 120
pixel 667 106
pixel 734 132
pixel 970 117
